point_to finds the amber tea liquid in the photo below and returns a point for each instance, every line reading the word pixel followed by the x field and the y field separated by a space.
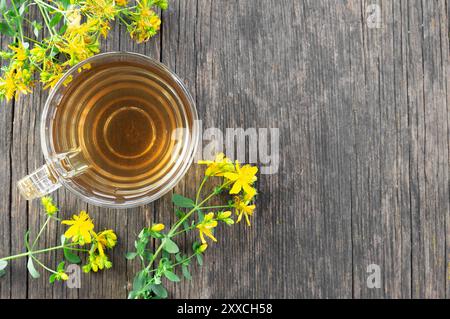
pixel 120 116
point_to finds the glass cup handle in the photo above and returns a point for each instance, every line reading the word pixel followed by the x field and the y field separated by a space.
pixel 45 180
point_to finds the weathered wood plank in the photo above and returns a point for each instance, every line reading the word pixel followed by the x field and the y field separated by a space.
pixel 430 156
pixel 377 216
pixel 6 122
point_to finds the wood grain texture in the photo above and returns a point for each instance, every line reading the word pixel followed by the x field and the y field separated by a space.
pixel 363 178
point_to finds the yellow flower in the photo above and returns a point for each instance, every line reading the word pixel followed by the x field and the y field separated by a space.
pixel 202 248
pixel 219 166
pixel 96 262
pixel 80 228
pixel 163 4
pixel 243 178
pixel 145 23
pixel 104 239
pixel 206 227
pixel 122 3
pixel 64 276
pixel 14 81
pixel 223 215
pixel 157 228
pixel 73 17
pixel 49 207
pixel 8 86
pixel 52 73
pixel 104 9
pixel 20 53
pixel 38 53
pixel 59 274
pixel 243 209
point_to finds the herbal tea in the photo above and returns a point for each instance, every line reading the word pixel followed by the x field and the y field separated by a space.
pixel 120 117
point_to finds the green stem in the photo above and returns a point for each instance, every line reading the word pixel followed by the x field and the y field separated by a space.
pixel 200 189
pixel 184 230
pixel 184 260
pixel 179 223
pixel 36 252
pixel 214 207
pixel 42 265
pixel 37 2
pixel 20 24
pixel 78 249
pixel 123 21
pixel 46 18
pixel 40 233
pixel 31 39
pixel 173 229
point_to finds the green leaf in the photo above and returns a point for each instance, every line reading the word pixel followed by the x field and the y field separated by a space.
pixel 55 20
pixel 159 291
pixel 140 245
pixel 3 264
pixel 147 255
pixel 165 255
pixel 68 255
pixel 157 280
pixel 200 259
pixel 171 276
pixel 65 3
pixel 32 270
pixel 186 272
pixel 52 278
pixel 200 215
pixel 22 9
pixel 182 201
pixel 170 246
pixel 60 267
pixel 156 234
pixel 178 257
pixel 62 29
pixel 2 5
pixel 139 280
pixel 130 255
pixel 2 273
pixel 195 245
pixel 6 29
pixel 71 257
pixel 36 28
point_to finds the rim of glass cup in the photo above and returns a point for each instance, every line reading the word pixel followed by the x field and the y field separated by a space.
pixel 187 161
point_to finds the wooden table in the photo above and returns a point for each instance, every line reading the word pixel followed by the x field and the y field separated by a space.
pixel 364 117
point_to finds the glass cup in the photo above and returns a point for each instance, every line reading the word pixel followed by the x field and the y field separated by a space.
pixel 120 134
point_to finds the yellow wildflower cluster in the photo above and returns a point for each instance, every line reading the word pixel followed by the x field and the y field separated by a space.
pixel 49 207
pixel 240 179
pixel 81 231
pixel 73 40
pixel 145 23
pixel 199 214
pixel 16 76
